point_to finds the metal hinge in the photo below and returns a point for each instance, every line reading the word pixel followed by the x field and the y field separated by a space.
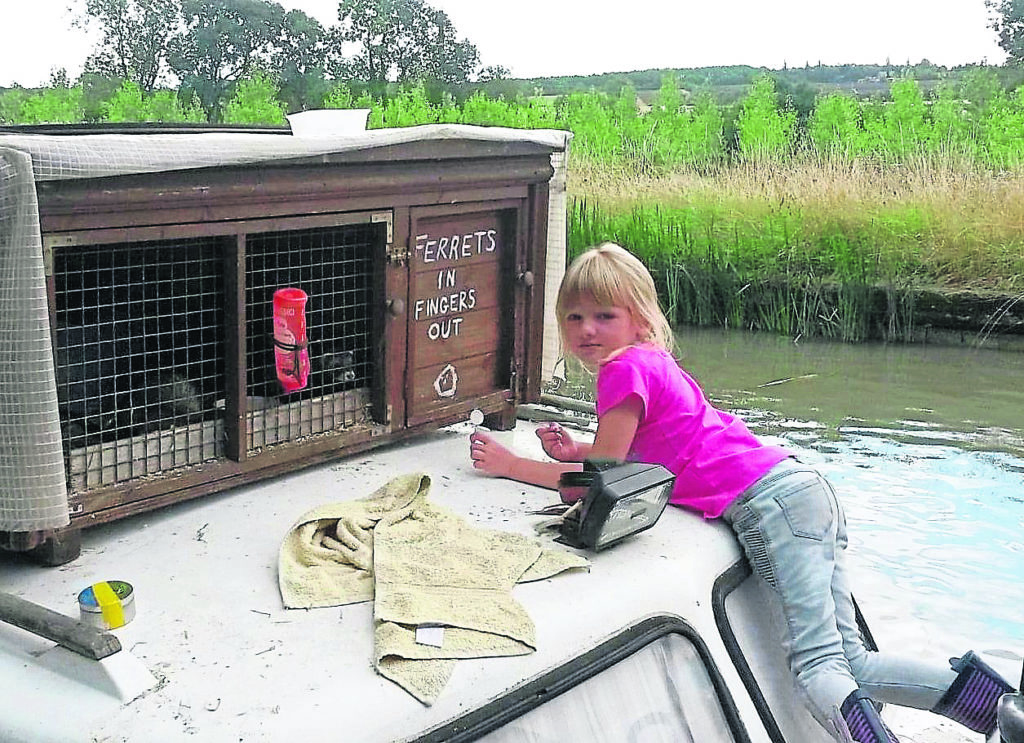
pixel 513 383
pixel 50 244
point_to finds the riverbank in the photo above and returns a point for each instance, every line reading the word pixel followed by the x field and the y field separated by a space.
pixel 974 319
pixel 968 318
pixel 853 312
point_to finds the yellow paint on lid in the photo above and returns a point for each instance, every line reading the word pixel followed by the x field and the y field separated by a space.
pixel 109 603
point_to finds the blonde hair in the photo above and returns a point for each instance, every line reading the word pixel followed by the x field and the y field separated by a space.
pixel 611 275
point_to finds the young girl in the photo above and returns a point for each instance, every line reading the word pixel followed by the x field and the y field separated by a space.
pixel 785 514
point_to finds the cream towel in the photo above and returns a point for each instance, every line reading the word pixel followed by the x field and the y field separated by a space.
pixel 326 558
pixel 428 568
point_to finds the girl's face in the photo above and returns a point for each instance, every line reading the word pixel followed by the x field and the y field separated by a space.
pixel 594 331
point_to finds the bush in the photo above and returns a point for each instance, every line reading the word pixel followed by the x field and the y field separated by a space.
pixel 255 102
pixel 52 106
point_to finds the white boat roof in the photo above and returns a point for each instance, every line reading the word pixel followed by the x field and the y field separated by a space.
pixel 234 664
pixel 213 655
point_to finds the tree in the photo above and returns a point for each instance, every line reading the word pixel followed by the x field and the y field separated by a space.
pixel 835 126
pixel 59 78
pixel 951 131
pixel 403 40
pixel 980 86
pixel 97 91
pixel 765 131
pixel 799 97
pixel 409 108
pixel 707 140
pixel 905 124
pixel 126 104
pixel 670 98
pixel 1003 131
pixel 339 96
pixel 223 42
pixel 135 37
pixel 10 105
pixel 443 57
pixel 52 106
pixel 368 24
pixel 1007 20
pixel 300 60
pixel 491 73
pixel 167 105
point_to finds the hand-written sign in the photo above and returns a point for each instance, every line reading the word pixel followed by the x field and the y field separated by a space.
pixel 442 248
pixel 456 308
pixel 450 259
pixel 460 301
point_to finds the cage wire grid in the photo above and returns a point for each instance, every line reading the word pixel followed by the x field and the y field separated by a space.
pixel 140 366
pixel 33 491
pixel 334 267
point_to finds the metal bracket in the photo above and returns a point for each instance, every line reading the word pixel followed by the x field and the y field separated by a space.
pixel 386 218
pixel 398 255
pixel 513 384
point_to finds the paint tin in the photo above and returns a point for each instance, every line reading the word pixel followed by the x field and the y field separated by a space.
pixel 107 604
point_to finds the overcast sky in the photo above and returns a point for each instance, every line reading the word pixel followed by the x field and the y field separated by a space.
pixel 537 38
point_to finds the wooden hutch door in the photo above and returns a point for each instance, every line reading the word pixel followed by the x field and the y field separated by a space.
pixel 461 310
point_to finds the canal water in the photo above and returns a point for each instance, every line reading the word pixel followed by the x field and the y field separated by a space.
pixel 925 446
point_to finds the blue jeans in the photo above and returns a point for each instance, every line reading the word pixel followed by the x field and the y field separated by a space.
pixel 793 531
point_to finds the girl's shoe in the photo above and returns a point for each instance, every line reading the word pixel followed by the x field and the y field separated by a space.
pixel 862 720
pixel 972 697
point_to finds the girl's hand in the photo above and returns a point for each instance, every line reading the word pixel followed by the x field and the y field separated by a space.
pixel 490 456
pixel 558 444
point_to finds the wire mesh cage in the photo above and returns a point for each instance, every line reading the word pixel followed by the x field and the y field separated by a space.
pixel 139 356
pixel 141 334
pixel 334 266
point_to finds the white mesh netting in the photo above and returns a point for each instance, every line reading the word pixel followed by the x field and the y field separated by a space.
pixel 33 493
pixel 555 268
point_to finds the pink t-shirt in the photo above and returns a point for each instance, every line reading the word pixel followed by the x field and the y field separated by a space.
pixel 712 453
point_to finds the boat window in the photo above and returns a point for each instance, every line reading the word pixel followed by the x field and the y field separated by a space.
pixel 660 693
pixel 655 681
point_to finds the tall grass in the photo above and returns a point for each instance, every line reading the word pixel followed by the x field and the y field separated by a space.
pixel 812 246
pixel 944 224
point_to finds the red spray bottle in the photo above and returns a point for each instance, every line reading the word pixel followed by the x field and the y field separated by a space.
pixel 291 356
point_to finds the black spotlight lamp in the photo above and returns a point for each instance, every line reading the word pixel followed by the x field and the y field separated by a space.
pixel 615 500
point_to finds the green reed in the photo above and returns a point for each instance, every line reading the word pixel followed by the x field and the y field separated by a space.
pixel 757 273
